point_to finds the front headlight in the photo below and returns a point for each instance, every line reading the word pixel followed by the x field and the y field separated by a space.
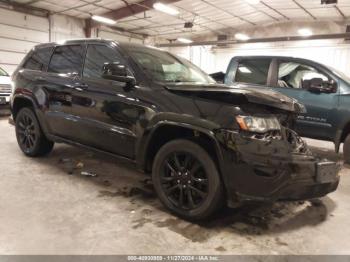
pixel 258 124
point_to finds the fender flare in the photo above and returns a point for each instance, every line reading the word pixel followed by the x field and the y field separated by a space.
pixel 191 123
pixel 37 109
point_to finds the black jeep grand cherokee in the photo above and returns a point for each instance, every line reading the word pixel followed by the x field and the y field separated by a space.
pixel 205 144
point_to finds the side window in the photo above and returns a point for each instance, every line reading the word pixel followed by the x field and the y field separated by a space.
pixel 253 71
pixel 296 75
pixel 96 57
pixel 39 59
pixel 67 60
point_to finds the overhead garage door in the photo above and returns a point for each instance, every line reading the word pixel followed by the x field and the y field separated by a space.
pixel 18 34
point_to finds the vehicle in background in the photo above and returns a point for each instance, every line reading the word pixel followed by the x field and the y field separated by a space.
pixel 5 88
pixel 324 91
pixel 205 144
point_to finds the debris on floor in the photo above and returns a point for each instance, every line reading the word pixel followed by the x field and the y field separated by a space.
pixel 88 174
pixel 71 165
pixel 79 165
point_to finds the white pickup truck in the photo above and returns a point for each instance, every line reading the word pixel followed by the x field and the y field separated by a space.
pixel 5 88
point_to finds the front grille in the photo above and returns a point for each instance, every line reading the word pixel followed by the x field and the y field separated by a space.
pixel 5 89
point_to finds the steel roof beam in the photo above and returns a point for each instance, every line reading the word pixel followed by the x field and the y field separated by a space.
pixel 260 40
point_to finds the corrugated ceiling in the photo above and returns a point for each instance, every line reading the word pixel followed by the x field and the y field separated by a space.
pixel 208 16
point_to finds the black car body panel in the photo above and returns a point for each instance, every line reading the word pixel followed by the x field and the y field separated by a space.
pixel 238 95
pixel 130 122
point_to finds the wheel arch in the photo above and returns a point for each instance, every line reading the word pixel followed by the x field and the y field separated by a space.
pixel 166 131
pixel 21 101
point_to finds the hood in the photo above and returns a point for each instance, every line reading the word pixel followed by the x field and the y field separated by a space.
pixel 5 80
pixel 237 93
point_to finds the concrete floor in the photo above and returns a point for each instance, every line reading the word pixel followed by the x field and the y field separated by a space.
pixel 45 210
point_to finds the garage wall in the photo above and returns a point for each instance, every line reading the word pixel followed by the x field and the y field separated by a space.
pixel 18 34
pixel 335 53
pixel 118 36
pixel 66 27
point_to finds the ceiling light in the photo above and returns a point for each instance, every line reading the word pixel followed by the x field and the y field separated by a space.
pixel 165 9
pixel 242 37
pixel 305 32
pixel 185 40
pixel 103 19
pixel 253 2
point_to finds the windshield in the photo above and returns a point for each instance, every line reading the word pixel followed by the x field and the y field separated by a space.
pixel 3 72
pixel 162 66
pixel 340 74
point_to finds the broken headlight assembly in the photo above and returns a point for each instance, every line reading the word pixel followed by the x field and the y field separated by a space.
pixel 258 124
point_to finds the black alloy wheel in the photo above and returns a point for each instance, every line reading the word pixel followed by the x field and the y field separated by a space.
pixel 187 180
pixel 184 180
pixel 27 133
pixel 30 137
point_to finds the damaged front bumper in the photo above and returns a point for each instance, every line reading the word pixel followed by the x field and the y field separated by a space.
pixel 273 168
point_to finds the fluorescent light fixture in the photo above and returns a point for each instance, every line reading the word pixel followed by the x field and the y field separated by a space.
pixel 242 37
pixel 104 20
pixel 165 9
pixel 184 40
pixel 253 2
pixel 305 32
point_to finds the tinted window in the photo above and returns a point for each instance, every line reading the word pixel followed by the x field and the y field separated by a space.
pixel 67 60
pixel 96 57
pixel 293 75
pixel 39 59
pixel 254 71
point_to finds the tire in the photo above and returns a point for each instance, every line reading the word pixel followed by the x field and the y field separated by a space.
pixel 30 137
pixel 346 149
pixel 193 175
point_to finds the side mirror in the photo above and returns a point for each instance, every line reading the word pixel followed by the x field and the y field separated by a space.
pixel 118 72
pixel 317 85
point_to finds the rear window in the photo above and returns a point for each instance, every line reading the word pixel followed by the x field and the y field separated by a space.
pixel 253 71
pixel 39 59
pixel 67 60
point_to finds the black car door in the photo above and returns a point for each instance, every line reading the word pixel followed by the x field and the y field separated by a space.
pixel 64 68
pixel 107 112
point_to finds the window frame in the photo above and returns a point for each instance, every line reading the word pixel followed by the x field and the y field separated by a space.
pixel 83 46
pixel 269 72
pixel 31 54
pixel 279 61
pixel 122 60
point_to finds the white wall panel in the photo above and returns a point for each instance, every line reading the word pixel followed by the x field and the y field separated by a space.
pixel 24 20
pixel 118 37
pixel 65 28
pixel 18 34
pixel 335 53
